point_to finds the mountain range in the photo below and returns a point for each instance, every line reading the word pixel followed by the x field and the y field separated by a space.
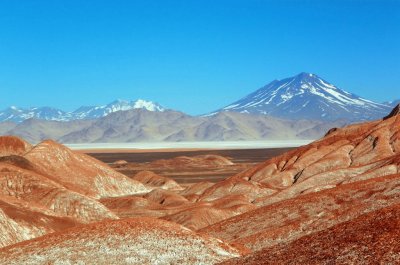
pixel 15 114
pixel 307 96
pixel 301 107
pixel 304 96
pixel 141 125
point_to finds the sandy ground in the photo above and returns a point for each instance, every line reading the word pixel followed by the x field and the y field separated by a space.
pixel 140 160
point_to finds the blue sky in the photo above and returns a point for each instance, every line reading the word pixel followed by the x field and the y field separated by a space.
pixel 194 56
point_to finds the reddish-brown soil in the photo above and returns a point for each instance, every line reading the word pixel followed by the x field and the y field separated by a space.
pixel 47 187
pixel 371 238
pixel 128 241
pixel 290 219
pixel 11 145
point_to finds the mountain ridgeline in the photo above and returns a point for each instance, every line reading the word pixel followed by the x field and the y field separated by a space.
pixel 140 125
pixel 307 96
pixel 301 107
pixel 17 115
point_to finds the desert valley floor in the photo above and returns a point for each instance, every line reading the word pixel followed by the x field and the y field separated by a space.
pixel 333 201
pixel 181 165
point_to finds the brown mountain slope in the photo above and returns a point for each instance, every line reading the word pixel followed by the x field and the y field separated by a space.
pixel 11 145
pixel 6 126
pixel 316 186
pixel 39 191
pixel 35 131
pixel 47 188
pixel 151 179
pixel 291 219
pixel 21 221
pixel 372 238
pixel 128 241
pixel 348 155
pixel 90 176
pixel 352 153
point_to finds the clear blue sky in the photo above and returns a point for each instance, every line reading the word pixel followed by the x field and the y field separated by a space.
pixel 194 56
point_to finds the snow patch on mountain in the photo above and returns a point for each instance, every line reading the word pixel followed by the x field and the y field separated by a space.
pixel 16 114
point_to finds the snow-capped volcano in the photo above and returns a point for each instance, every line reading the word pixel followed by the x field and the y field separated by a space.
pixel 17 115
pixel 307 96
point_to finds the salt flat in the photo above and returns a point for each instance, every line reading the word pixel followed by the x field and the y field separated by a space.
pixel 190 145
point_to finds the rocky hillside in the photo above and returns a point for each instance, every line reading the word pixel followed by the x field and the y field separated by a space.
pixel 128 241
pixel 53 182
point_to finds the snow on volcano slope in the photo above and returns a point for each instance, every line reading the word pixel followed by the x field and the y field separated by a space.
pixel 307 96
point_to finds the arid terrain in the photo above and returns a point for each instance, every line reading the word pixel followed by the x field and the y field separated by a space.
pixel 333 201
pixel 188 166
pixel 141 125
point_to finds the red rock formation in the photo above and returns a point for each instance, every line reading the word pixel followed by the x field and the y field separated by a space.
pixel 371 238
pixel 349 172
pixel 52 183
pixel 128 241
pixel 11 145
pixel 349 154
pixel 203 214
pixel 194 161
pixel 193 192
pixel 152 179
pixel 21 221
pixel 81 173
pixel 173 207
pixel 40 191
pixel 291 219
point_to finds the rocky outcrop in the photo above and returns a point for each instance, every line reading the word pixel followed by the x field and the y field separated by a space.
pixel 194 161
pixel 48 188
pixel 371 238
pixel 152 179
pixel 11 145
pixel 21 221
pixel 351 171
pixel 291 219
pixel 128 241
pixel 394 112
pixel 79 172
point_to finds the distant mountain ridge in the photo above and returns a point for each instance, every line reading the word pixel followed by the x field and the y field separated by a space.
pixel 307 96
pixel 304 96
pixel 17 115
pixel 392 103
pixel 141 125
